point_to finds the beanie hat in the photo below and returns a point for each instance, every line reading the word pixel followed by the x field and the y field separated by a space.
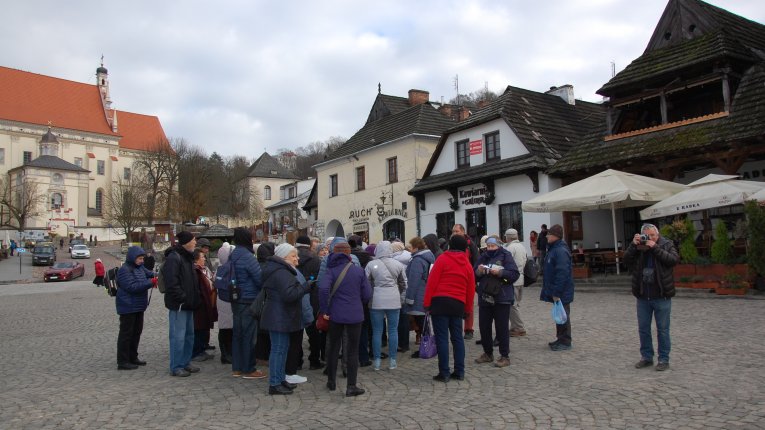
pixel 511 232
pixel 492 241
pixel 397 247
pixel 342 247
pixel 556 230
pixel 184 237
pixel 283 250
pixel 457 243
pixel 303 241
pixel 203 242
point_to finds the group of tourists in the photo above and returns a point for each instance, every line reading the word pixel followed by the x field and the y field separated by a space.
pixel 352 300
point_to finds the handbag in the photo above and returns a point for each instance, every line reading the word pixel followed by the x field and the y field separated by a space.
pixel 559 313
pixel 257 306
pixel 428 340
pixel 322 324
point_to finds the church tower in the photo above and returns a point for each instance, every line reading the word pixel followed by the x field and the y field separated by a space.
pixel 49 144
pixel 102 76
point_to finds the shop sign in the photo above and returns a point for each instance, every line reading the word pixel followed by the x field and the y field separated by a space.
pixel 473 196
pixel 476 147
pixel 360 215
pixel 382 213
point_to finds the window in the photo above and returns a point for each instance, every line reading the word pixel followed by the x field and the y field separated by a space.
pixel 511 216
pixel 444 224
pixel 99 200
pixel 27 156
pixel 463 154
pixel 392 170
pixel 360 180
pixel 282 193
pixel 292 192
pixel 267 192
pixel 100 167
pixel 2 155
pixel 56 201
pixel 492 146
pixel 78 161
pixel 333 185
pixel 126 174
pixel 57 178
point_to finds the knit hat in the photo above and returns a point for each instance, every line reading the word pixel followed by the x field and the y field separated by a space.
pixel 283 250
pixel 342 247
pixel 184 237
pixel 556 230
pixel 397 247
pixel 203 242
pixel 354 240
pixel 511 231
pixel 482 242
pixel 303 241
pixel 492 241
pixel 457 243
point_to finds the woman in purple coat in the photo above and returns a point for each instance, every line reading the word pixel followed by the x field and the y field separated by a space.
pixel 345 312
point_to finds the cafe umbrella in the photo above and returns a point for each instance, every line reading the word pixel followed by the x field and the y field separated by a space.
pixel 610 189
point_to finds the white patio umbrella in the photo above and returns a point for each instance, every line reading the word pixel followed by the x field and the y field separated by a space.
pixel 759 196
pixel 609 189
pixel 711 191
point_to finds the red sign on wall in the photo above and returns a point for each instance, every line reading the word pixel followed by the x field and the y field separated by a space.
pixel 476 147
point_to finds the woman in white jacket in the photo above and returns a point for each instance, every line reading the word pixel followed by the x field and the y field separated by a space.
pixel 388 279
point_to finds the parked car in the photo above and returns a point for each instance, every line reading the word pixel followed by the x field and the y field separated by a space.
pixel 74 242
pixel 43 255
pixel 64 271
pixel 80 251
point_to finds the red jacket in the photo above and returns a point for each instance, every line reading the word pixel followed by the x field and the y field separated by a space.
pixel 452 276
pixel 100 271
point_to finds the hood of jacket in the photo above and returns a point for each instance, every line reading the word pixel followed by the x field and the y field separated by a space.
pixel 426 254
pixel 383 249
pixel 133 253
pixel 455 256
pixel 274 264
pixel 338 259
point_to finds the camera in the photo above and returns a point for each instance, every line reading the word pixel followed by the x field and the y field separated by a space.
pixel 643 238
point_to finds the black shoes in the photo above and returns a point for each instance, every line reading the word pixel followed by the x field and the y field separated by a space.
pixel 191 369
pixel 416 354
pixel 279 390
pixel 127 366
pixel 468 335
pixel 353 391
pixel 225 360
pixel 331 385
pixel 315 366
pixel 181 373
pixel 643 363
pixel 139 362
pixel 288 386
pixel 366 363
pixel 662 366
pixel 441 378
pixel 454 375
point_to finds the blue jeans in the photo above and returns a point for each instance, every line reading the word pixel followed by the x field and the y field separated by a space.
pixel 243 340
pixel 277 359
pixel 445 327
pixel 659 309
pixel 181 338
pixel 377 316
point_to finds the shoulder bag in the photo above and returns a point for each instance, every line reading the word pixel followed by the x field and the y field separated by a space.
pixel 322 324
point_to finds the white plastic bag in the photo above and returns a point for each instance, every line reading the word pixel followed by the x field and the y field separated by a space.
pixel 559 313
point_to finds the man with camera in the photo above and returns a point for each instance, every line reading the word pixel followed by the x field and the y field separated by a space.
pixel 652 259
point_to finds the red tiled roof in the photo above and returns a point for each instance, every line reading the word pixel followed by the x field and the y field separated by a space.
pixel 141 132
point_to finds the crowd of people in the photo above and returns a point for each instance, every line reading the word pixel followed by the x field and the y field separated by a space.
pixel 351 300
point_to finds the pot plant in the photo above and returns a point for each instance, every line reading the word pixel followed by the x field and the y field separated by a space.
pixel 683 234
pixel 732 284
pixel 755 215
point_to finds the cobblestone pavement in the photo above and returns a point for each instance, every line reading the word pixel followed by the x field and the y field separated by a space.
pixel 59 371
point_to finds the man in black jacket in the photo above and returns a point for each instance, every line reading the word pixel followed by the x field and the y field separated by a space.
pixel 652 259
pixel 308 265
pixel 181 298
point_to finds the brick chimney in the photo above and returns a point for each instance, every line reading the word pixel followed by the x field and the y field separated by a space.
pixel 418 97
pixel 446 110
pixel 566 92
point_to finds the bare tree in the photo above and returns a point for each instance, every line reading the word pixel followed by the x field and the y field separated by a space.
pixel 151 168
pixel 314 153
pixel 172 174
pixel 124 206
pixel 20 203
pixel 194 183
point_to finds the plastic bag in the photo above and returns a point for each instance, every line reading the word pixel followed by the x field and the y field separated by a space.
pixel 428 341
pixel 559 313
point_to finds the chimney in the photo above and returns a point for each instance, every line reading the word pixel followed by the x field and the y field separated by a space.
pixel 463 113
pixel 566 92
pixel 446 110
pixel 418 97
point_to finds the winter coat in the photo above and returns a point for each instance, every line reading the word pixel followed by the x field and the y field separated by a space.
pixel 347 306
pixel 247 271
pixel 100 269
pixel 510 274
pixel 325 260
pixel 452 276
pixel 518 251
pixel 225 314
pixel 363 256
pixel 133 283
pixel 403 257
pixel 309 265
pixel 283 310
pixel 417 278
pixel 181 283
pixel 665 258
pixel 558 279
pixel 432 241
pixel 387 277
pixel 206 314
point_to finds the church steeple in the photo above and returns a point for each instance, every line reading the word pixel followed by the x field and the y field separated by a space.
pixel 103 84
pixel 49 143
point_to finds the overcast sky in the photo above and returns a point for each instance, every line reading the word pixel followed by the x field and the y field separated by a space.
pixel 241 77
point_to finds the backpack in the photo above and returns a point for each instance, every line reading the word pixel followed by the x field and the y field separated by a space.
pixel 223 278
pixel 530 272
pixel 110 281
pixel 161 281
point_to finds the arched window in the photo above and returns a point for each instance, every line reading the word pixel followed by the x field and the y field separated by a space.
pixel 99 200
pixel 267 192
pixel 56 201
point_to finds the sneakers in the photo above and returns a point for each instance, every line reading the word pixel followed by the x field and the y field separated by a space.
pixel 255 374
pixel 393 364
pixel 484 358
pixel 517 333
pixel 295 379
pixel 560 347
pixel 468 335
pixel 662 367
pixel 181 373
pixel 377 363
pixel 643 363
pixel 236 374
pixel 502 362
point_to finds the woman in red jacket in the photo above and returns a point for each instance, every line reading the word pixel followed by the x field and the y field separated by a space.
pixel 100 272
pixel 449 297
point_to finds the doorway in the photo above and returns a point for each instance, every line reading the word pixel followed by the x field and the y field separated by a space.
pixel 394 229
pixel 476 223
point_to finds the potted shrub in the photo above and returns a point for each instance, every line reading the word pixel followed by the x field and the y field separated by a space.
pixel 756 242
pixel 683 282
pixel 732 284
pixel 699 282
pixel 683 234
